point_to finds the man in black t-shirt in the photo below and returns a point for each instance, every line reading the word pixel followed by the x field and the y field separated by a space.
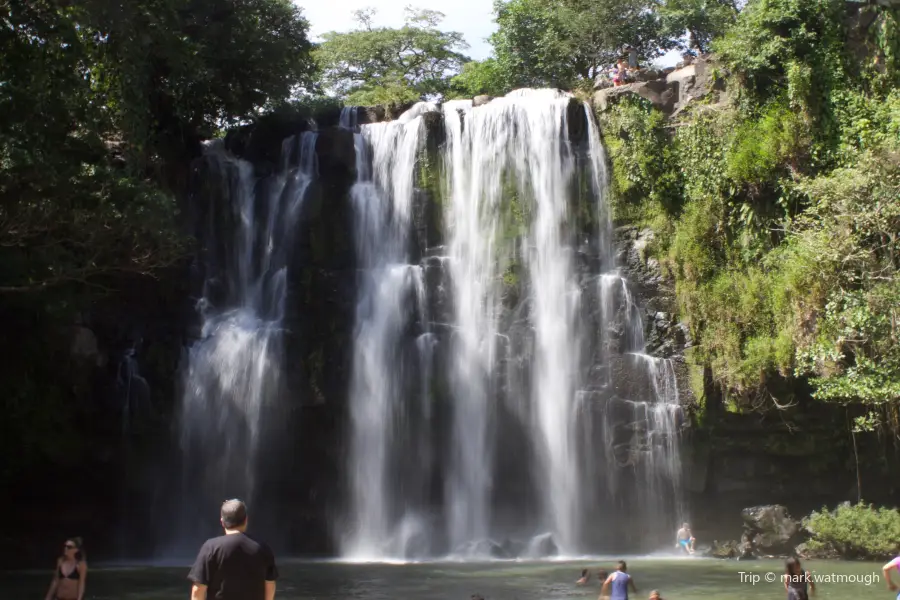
pixel 234 566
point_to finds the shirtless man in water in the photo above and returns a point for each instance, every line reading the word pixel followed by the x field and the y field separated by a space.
pixel 684 539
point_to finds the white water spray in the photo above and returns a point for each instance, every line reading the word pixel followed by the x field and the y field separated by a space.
pixel 233 372
pixel 379 523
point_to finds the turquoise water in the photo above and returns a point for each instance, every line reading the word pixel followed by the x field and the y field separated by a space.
pixel 676 579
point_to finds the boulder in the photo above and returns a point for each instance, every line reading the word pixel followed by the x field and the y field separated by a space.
pixel 668 90
pixel 541 546
pixel 727 549
pixel 659 92
pixel 481 100
pixel 770 530
pixel 85 348
pixel 825 553
pixel 692 81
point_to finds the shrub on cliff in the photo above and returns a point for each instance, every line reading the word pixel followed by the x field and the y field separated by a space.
pixel 775 207
pixel 855 531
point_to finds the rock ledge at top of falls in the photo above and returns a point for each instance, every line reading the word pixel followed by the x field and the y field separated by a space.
pixel 668 91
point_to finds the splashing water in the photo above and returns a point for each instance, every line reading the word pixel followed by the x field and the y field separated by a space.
pixel 380 524
pixel 597 419
pixel 233 371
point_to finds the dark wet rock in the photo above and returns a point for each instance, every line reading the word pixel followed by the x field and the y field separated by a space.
pixel 512 548
pixel 726 549
pixel 541 546
pixel 769 530
pixel 84 346
pixel 825 553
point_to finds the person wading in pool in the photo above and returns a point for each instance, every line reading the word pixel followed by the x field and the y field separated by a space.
pixel 797 583
pixel 70 575
pixel 886 569
pixel 684 539
pixel 234 566
pixel 617 584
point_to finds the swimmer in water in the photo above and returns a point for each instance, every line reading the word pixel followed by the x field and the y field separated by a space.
pixel 585 577
pixel 654 595
pixel 797 583
pixel 618 583
pixel 684 539
pixel 70 574
pixel 602 575
pixel 886 569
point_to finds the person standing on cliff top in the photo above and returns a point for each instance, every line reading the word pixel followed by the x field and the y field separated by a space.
pixel 234 566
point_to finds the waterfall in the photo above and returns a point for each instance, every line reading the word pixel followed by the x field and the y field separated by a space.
pixel 534 409
pixel 474 198
pixel 233 371
pixel 382 518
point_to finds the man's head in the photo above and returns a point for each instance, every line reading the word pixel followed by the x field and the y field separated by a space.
pixel 685 526
pixel 234 515
pixel 622 566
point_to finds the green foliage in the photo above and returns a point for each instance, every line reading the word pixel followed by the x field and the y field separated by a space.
pixel 855 531
pixel 381 65
pixel 559 43
pixel 480 77
pixel 703 20
pixel 776 214
pixel 772 38
pixel 765 146
pixel 103 106
pixel 643 163
pixel 855 354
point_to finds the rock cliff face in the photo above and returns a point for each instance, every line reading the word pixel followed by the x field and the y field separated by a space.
pixel 803 457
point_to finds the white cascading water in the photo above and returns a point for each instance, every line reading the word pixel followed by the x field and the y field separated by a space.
pixel 523 138
pixel 380 524
pixel 233 371
pixel 474 192
pixel 573 420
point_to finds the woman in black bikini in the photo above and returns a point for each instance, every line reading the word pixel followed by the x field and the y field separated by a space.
pixel 71 572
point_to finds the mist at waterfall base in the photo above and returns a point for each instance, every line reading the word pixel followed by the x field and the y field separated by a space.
pixel 500 403
pixel 233 373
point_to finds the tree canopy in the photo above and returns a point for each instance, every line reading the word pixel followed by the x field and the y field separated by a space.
pixel 103 104
pixel 372 65
pixel 567 43
pixel 702 20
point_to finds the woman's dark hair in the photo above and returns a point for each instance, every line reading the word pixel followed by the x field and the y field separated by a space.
pixel 584 572
pixel 789 565
pixel 79 547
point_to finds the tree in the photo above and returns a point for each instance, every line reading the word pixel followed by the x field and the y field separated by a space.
pixel 703 20
pixel 179 70
pixel 102 106
pixel 384 65
pixel 560 43
pixel 481 77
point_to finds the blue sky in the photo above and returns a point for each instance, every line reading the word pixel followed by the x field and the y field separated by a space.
pixel 473 18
